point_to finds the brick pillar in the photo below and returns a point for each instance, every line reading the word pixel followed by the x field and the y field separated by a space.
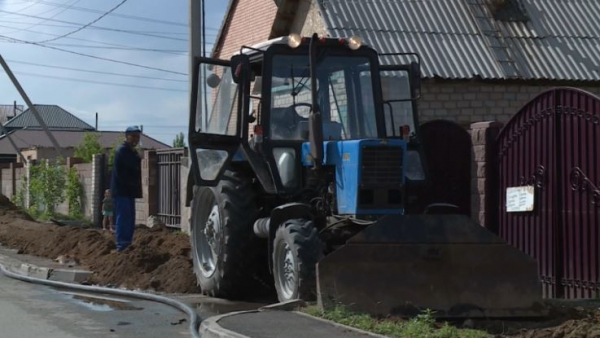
pixel 484 199
pixel 97 189
pixel 148 205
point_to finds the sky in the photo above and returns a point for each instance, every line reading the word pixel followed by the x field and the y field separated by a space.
pixel 161 31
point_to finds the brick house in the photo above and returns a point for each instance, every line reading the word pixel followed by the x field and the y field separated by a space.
pixel 481 59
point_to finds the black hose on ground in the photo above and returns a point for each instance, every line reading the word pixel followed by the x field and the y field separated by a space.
pixel 193 317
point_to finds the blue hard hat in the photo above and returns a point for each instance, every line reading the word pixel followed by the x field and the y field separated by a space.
pixel 133 129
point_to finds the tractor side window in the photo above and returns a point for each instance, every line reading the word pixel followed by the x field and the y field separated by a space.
pixel 217 101
pixel 398 109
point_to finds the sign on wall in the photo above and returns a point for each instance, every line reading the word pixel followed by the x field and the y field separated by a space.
pixel 520 199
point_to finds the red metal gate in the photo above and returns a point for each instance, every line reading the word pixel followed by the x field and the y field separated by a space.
pixel 553 144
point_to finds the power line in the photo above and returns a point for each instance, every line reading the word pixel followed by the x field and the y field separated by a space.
pixel 37 2
pixel 97 27
pixel 125 16
pixel 98 82
pixel 124 47
pixel 87 24
pixel 93 56
pixel 93 71
pixel 140 49
pixel 73 2
pixel 73 25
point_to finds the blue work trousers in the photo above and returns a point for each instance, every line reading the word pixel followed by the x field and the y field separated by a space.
pixel 124 221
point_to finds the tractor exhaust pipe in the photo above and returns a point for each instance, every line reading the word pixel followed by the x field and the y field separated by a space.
pixel 315 125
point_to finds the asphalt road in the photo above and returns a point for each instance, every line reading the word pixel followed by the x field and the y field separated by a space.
pixel 28 310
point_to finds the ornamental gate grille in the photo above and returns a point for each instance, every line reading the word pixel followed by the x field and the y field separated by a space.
pixel 553 144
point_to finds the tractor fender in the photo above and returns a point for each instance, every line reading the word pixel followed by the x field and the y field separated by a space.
pixel 281 214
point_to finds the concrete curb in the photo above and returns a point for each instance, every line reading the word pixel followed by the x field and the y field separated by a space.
pixel 210 328
pixel 291 305
pixel 31 270
pixel 342 326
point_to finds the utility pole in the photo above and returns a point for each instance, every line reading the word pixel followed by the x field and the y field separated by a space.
pixel 33 109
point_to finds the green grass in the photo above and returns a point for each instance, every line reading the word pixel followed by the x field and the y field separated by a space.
pixel 422 326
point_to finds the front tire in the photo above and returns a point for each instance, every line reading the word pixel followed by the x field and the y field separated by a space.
pixel 296 251
pixel 224 248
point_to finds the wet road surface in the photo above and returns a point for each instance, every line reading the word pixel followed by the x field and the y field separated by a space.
pixel 29 310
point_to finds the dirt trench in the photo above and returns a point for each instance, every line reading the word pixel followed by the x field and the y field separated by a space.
pixel 157 260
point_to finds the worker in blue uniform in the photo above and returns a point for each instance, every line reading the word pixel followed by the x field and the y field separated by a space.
pixel 126 186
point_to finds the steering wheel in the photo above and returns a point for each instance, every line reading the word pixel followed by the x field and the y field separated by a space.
pixel 295 116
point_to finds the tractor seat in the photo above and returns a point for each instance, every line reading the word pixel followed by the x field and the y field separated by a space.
pixel 288 125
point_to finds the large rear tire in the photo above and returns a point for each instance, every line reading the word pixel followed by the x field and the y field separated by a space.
pixel 296 251
pixel 224 248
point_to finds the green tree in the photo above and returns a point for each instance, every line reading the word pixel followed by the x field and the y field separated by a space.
pixel 74 192
pixel 113 151
pixel 179 141
pixel 89 146
pixel 47 186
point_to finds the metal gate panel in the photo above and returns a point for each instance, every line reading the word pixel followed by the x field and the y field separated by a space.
pixel 169 184
pixel 447 148
pixel 553 143
pixel 580 180
pixel 525 158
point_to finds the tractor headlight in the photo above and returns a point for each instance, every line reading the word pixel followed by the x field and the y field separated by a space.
pixel 294 40
pixel 354 42
pixel 285 158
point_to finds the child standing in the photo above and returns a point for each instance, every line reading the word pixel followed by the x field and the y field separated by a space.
pixel 108 211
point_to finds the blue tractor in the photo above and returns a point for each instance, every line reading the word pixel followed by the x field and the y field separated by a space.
pixel 305 151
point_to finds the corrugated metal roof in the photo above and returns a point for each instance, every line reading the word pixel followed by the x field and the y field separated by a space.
pixel 560 41
pixel 54 116
pixel 26 139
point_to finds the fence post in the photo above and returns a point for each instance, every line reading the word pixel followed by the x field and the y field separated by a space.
pixel 484 188
pixel 97 187
pixel 185 211
pixel 13 181
pixel 149 205
pixel 27 201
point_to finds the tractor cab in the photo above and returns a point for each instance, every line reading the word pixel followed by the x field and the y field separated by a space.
pixel 289 101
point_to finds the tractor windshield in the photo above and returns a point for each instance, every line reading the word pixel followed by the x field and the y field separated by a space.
pixel 345 97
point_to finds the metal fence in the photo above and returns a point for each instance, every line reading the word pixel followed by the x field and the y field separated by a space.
pixel 169 185
pixel 553 144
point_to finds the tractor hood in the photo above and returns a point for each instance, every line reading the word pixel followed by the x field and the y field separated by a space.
pixel 369 174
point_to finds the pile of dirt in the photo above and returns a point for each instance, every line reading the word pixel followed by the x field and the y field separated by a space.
pixel 565 319
pixel 157 260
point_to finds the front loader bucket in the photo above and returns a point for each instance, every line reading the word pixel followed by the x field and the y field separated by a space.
pixel 403 265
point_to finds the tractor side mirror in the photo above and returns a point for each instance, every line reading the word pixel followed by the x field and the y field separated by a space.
pixel 213 80
pixel 239 65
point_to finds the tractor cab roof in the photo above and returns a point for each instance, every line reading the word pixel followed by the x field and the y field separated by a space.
pixel 295 41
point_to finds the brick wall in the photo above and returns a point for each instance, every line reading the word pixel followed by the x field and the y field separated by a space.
pixel 250 23
pixel 14 175
pixel 8 179
pixel 467 102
